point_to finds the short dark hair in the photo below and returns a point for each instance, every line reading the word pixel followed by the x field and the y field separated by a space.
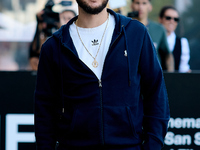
pixel 164 9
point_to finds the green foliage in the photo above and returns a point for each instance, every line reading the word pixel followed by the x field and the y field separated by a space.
pixel 189 28
pixel 190 20
pixel 157 5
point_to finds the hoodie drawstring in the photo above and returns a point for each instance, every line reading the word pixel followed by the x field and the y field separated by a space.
pixel 127 52
pixel 61 76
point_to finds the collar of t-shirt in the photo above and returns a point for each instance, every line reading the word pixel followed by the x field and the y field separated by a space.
pixel 91 37
pixel 171 39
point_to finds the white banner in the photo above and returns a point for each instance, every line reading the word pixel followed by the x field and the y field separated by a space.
pixel 13 31
pixel 117 3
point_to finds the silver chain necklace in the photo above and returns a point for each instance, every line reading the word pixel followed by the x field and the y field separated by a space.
pixel 94 63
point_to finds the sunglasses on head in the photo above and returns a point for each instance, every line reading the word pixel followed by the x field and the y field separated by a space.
pixel 169 18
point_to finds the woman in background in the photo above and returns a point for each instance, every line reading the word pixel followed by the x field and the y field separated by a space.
pixel 169 17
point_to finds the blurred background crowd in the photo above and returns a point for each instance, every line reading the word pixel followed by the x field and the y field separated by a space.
pixel 26 24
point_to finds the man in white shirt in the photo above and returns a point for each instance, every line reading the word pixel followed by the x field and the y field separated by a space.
pixel 100 85
pixel 169 17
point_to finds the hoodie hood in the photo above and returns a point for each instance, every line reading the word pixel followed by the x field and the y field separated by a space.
pixel 128 106
pixel 121 22
pixel 62 35
pixel 63 32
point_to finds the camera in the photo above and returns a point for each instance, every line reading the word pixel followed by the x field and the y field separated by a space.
pixel 133 14
pixel 51 18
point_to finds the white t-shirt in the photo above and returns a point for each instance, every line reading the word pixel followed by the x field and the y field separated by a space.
pixel 185 53
pixel 91 38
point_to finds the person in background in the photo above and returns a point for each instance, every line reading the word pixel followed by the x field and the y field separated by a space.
pixel 42 33
pixel 157 33
pixel 100 85
pixel 65 16
pixel 39 38
pixel 66 13
pixel 169 17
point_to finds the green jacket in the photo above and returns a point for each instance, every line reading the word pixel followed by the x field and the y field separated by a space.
pixel 159 37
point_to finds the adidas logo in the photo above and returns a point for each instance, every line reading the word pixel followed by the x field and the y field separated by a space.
pixel 95 42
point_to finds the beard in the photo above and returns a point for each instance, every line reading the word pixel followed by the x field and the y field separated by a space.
pixel 91 10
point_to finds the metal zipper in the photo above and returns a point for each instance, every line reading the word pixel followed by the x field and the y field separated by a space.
pixel 116 39
pixel 57 145
pixel 101 100
pixel 100 85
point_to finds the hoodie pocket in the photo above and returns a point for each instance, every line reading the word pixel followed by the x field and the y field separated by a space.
pixel 119 126
pixel 85 126
pixel 131 122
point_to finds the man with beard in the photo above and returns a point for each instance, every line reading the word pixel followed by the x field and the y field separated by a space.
pixel 100 85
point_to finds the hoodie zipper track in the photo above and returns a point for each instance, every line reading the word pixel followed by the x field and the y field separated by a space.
pixel 101 97
pixel 116 39
pixel 101 105
pixel 101 101
pixel 100 87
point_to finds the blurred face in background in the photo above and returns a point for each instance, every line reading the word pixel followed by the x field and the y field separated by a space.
pixel 143 7
pixel 170 20
pixel 65 17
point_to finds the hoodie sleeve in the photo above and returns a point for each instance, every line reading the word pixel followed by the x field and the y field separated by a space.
pixel 155 99
pixel 46 94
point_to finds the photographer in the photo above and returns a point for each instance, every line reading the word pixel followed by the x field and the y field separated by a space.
pixel 51 18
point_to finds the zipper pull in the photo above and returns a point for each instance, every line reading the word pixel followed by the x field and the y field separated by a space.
pixel 100 85
pixel 63 110
pixel 57 144
pixel 125 53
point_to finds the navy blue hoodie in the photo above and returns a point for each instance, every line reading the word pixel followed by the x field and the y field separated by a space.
pixel 127 107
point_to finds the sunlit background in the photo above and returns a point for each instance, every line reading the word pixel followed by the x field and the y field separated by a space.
pixel 18 24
